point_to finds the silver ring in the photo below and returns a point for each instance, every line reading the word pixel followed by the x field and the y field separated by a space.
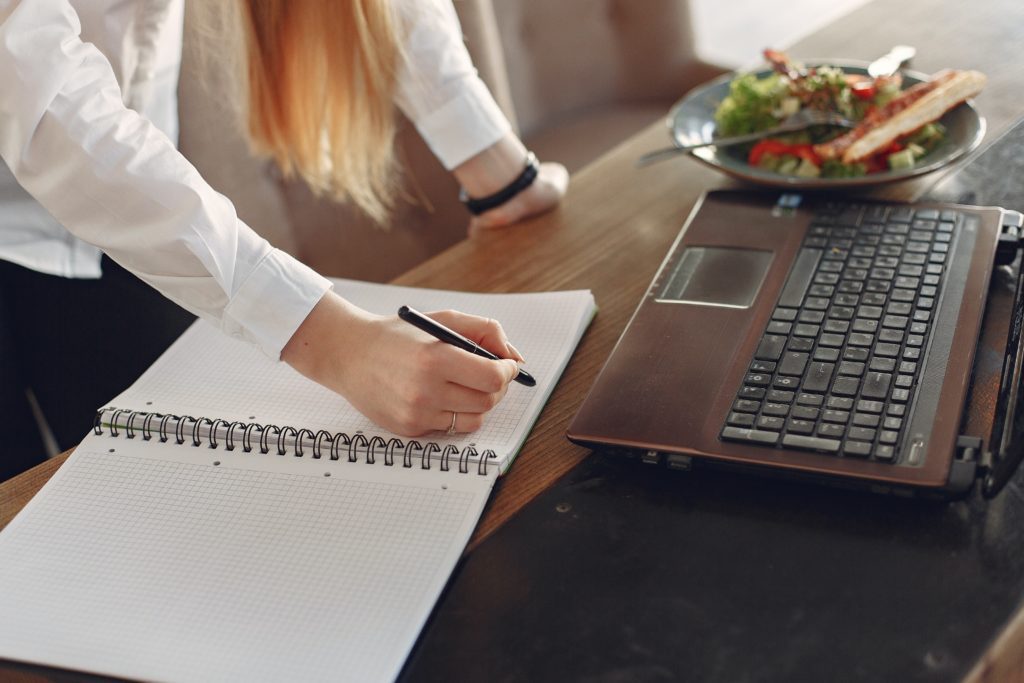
pixel 451 427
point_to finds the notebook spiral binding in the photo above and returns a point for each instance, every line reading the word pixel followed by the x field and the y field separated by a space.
pixel 287 440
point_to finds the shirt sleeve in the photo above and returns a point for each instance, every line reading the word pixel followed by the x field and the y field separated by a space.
pixel 439 89
pixel 114 180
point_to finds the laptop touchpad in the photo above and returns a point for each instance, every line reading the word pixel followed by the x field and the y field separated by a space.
pixel 714 276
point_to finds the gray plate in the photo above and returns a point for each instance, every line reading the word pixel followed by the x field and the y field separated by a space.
pixel 692 120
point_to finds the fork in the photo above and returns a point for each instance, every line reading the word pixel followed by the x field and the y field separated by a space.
pixel 804 118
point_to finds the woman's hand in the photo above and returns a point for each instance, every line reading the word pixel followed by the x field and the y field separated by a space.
pixel 542 195
pixel 496 167
pixel 398 376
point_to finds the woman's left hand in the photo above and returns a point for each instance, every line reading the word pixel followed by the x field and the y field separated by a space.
pixel 542 195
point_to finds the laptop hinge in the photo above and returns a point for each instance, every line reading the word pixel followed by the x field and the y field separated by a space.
pixel 1009 237
pixel 969 449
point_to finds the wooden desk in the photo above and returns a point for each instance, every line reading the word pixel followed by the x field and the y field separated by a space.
pixel 617 223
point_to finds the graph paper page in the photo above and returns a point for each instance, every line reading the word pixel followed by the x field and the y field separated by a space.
pixel 158 561
pixel 206 374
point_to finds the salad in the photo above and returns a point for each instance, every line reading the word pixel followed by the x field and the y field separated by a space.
pixel 760 103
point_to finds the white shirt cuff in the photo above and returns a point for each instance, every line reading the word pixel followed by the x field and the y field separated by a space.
pixel 273 301
pixel 465 125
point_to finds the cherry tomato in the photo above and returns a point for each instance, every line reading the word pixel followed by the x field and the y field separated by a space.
pixel 864 90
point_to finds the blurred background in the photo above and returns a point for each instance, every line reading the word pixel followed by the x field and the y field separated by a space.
pixel 733 32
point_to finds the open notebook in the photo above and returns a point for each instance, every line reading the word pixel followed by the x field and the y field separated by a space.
pixel 318 559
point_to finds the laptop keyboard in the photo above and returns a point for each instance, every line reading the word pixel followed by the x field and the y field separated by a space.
pixel 837 365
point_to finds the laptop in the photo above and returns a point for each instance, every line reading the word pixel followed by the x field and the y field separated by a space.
pixel 811 337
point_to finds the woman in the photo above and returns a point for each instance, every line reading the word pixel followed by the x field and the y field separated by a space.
pixel 87 128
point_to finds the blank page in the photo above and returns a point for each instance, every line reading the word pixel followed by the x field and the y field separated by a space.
pixel 207 374
pixel 148 560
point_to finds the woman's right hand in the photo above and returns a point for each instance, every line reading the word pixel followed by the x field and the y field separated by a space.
pixel 398 376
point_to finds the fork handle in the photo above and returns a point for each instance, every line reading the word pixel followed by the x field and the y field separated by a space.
pixel 665 153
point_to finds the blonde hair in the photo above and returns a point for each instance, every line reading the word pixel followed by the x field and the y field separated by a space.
pixel 316 79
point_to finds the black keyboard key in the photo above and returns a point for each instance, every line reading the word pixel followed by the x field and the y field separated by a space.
pixel 800 344
pixel 826 355
pixel 812 317
pixel 901 395
pixel 864 325
pixel 771 347
pixel 887 350
pixel 866 420
pixel 793 363
pixel 813 400
pixel 888 437
pixel 834 341
pixel 891 336
pixel 818 377
pixel 752 393
pixel 740 419
pixel 882 365
pixel 811 443
pixel 800 426
pixel 776 327
pixel 851 368
pixel 805 330
pixel 861 434
pixel 885 453
pixel 905 381
pixel 893 423
pixel 897 410
pixel 780 396
pixel 786 383
pixel 774 424
pixel 857 449
pixel 837 327
pixel 750 435
pixel 744 405
pixel 855 353
pixel 832 431
pixel 784 314
pixel 876 385
pixel 757 379
pixel 762 366
pixel 837 416
pixel 861 339
pixel 840 403
pixel 803 413
pixel 846 386
pixel 776 409
pixel 870 406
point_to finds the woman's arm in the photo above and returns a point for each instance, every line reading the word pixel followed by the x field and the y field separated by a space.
pixel 442 94
pixel 113 179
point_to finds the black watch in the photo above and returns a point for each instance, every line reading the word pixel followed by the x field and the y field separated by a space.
pixel 492 201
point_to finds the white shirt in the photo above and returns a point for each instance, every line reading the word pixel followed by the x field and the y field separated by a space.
pixel 88 127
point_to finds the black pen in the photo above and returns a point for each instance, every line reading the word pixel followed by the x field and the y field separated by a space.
pixel 439 331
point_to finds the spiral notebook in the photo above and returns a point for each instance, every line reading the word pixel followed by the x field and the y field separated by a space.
pixel 229 519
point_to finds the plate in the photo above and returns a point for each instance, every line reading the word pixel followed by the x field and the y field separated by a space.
pixel 692 120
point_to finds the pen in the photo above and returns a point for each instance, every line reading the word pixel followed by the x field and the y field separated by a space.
pixel 439 331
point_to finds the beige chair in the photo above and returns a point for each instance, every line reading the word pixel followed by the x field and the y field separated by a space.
pixel 574 76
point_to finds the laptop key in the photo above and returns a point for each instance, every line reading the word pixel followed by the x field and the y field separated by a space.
pixel 811 443
pixel 771 423
pixel 780 396
pixel 876 385
pixel 752 393
pixel 771 347
pixel 750 435
pixel 800 426
pixel 818 377
pixel 740 419
pixel 800 344
pixel 885 453
pixel 858 449
pixel 832 431
pixel 793 363
pixel 846 386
